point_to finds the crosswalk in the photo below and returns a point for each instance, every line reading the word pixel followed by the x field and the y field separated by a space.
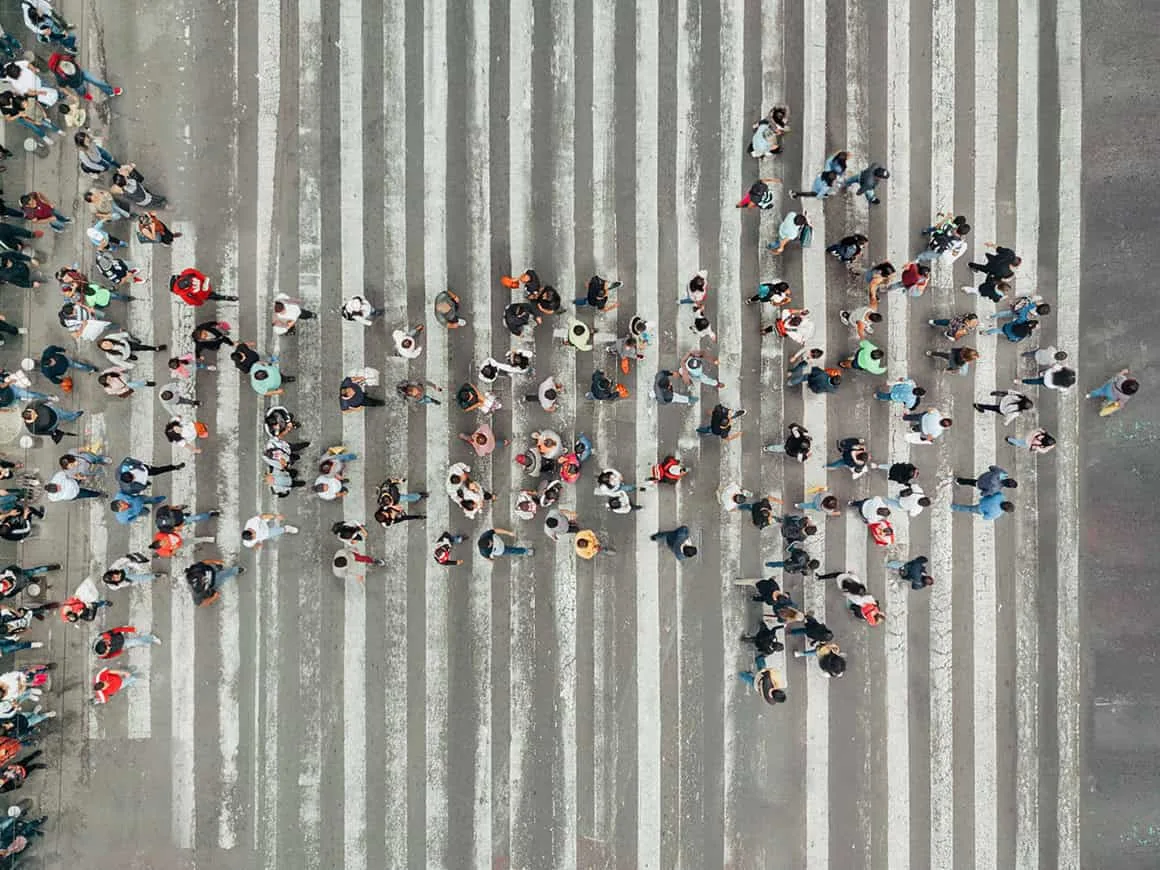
pixel 555 712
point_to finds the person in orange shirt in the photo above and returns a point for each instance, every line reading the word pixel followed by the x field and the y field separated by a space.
pixel 166 544
pixel 588 546
pixel 109 681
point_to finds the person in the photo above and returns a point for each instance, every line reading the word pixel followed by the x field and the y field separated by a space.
pixel 266 378
pixel 264 527
pixel 668 470
pixel 416 391
pixel 852 454
pixel 692 369
pixel 518 315
pixel 603 388
pixel 959 326
pixel 104 205
pixel 824 186
pixel 820 381
pixel 822 500
pixel 734 497
pixel 776 293
pixel 760 194
pixel 769 592
pixel 1039 441
pixel 1014 331
pixel 351 563
pixel 491 545
pixel 171 517
pixel 912 571
pixel 1044 356
pixel 991 481
pixel 797 443
pixel 110 681
pixel 71 76
pixel 174 396
pixel 800 363
pixel 992 289
pixel 664 393
pixel 1054 377
pixel 765 680
pixel 114 383
pixel 867 358
pixel 849 248
pixel 352 395
pixel 989 507
pixel 548 394
pixel 904 391
pixel 287 312
pixel 470 398
pixel 766 140
pixel 27 112
pixel 867 180
pixel 677 540
pixel 913 280
pixel 697 291
pixel 64 487
pixel 702 328
pixel 1010 405
pixel 958 359
pixel 721 423
pixel 75 609
pixel 129 570
pixel 91 153
pixel 796 560
pixel 861 604
pixel 876 277
pixel 185 432
pixel 41 418
pixel 127 508
pixel 204 579
pixel 829 656
pixel 794 227
pixel 192 287
pixel 765 640
pixel 407 342
pixel 114 641
pixel 210 336
pixel 1001 264
pixel 792 323
pixel 861 320
pixel 447 310
pixel 12 390
pixel 482 440
pixel 130 183
pixel 121 348
pixel 597 294
pixel 795 528
pixel 871 509
pixel 48 25
pixel 244 356
pixel 14 579
pixel 1115 392
pixel 358 309
pixel 443 545
pixel 588 546
pixel 928 426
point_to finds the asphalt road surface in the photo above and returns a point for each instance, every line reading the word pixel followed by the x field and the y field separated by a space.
pixel 545 711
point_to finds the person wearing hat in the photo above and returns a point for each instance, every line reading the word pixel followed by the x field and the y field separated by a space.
pixel 867 180
pixel 111 643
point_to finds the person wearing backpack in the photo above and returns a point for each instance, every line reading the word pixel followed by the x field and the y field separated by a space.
pixel 205 578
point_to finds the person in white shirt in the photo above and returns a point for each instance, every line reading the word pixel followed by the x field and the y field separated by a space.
pixel 287 313
pixel 548 395
pixel 407 342
pixel 63 487
pixel 1045 356
pixel 23 78
pixel 1010 405
pixel 358 309
pixel 733 497
pixel 265 527
pixel 911 499
pixel 872 509
pixel 927 426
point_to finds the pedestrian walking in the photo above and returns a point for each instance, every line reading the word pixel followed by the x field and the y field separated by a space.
pixel 491 545
pixel 548 394
pixel 518 316
pixel 860 320
pixel 849 248
pixel 853 455
pixel 352 395
pixel 765 640
pixel 1010 405
pixel 911 499
pixel 957 327
pixel 1000 265
pixel 184 432
pixel 927 426
pixel 721 423
pixel 358 309
pixel 110 681
pixel 913 280
pixel 71 76
pixel 989 507
pixel 210 336
pixel 129 183
pixel 734 497
pixel 604 389
pixel 867 358
pixel 1015 331
pixel 776 293
pixel 76 609
pixel 795 560
pixel 130 570
pixel 121 348
pixel 265 527
pixel 799 365
pixel 193 287
pixel 91 153
pixel 677 540
pixel 127 508
pixel 407 342
pixel 760 194
pixel 767 133
pixel 482 440
pixel 104 205
pixel 206 577
pixel 588 546
pixel 287 312
pixel 871 509
pixel 912 571
pixel 41 418
pixel 447 310
pixel 151 230
pixel 1039 441
pixel 48 25
pixel 904 391
pixel 766 680
pixel 697 291
pixel 266 378
pixel 116 385
pixel 829 657
pixel 1045 356
pixel 114 641
pixel 792 323
pixel 669 470
pixel 824 185
pixel 797 445
pixel 991 481
pixel 416 391
pixel 64 487
pixel 174 396
pixel 868 181
pixel 597 294
pixel 958 359
pixel 1115 392
pixel 794 227
pixel 171 517
pixel 822 500
pixel 692 370
pixel 664 393
pixel 443 545
pixel 861 604
pixel 14 776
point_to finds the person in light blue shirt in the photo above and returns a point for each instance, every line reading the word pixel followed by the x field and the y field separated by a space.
pixel 990 507
pixel 904 391
pixel 127 508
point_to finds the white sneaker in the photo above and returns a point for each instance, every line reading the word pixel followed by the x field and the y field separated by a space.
pixel 156 640
pixel 37 644
pixel 24 331
pixel 51 714
pixel 291 530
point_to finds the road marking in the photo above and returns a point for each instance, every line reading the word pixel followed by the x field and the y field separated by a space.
pixel 395 615
pixel 181 626
pixel 99 562
pixel 984 631
pixel 896 596
pixel 649 822
pixel 140 705
pixel 942 769
pixel 817 736
pixel 1027 524
pixel 1068 47
pixel 354 689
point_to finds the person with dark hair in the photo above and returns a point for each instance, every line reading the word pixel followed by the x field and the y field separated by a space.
pixel 1000 265
pixel 815 631
pixel 1116 392
pixel 760 194
pixel 765 640
pixel 957 327
pixel 773 292
pixel 193 287
pixel 210 335
pixel 829 656
pixel 958 359
pixel 70 75
pixel 597 294
pixel 904 391
pixel 825 185
pixel 989 507
pixel 848 248
pixel 109 681
pixel 795 561
pixel 205 577
pixel 1054 377
pixel 991 481
pixel 14 775
pixel 491 545
pixel 852 454
pixel 797 446
pixel 794 227
pixel 764 680
pixel 94 159
pixel 868 180
pixel 913 572
pixel 352 395
pixel 1039 441
pixel 867 358
pixel 114 641
pixel 677 540
pixel 1010 405
pixel 41 418
pixel 721 423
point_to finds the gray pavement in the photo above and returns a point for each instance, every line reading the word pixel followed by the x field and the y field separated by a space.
pixel 552 712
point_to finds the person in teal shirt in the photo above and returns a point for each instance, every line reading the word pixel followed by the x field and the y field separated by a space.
pixel 868 358
pixel 267 378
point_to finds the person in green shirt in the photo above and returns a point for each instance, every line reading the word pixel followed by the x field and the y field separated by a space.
pixel 868 358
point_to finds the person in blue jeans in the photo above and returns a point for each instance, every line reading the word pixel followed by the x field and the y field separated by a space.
pixel 904 391
pixel 990 507
pixel 126 508
pixel 491 545
pixel 677 540
pixel 55 364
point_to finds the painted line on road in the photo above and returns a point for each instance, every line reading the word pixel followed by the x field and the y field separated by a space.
pixel 99 558
pixel 942 768
pixel 1069 52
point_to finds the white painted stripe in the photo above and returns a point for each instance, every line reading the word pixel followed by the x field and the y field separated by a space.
pixel 1068 46
pixel 729 372
pixel 522 626
pixel 354 690
pixel 181 609
pixel 1027 577
pixel 985 603
pixel 817 736
pixel 395 614
pixel 895 596
pixel 99 557
pixel 141 447
pixel 564 578
pixel 648 701
pixel 435 122
pixel 942 769
pixel 604 253
pixel 309 370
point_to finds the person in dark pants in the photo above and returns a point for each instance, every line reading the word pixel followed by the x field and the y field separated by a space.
pixel 913 572
pixel 352 396
pixel 816 632
pixel 765 640
pixel 677 540
pixel 1001 264
pixel 991 481
pixel 210 335
pixel 797 561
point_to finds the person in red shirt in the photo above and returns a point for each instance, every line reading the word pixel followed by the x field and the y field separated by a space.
pixel 669 470
pixel 38 209
pixel 110 644
pixel 76 610
pixel 882 532
pixel 109 681
pixel 193 288
pixel 166 544
pixel 443 549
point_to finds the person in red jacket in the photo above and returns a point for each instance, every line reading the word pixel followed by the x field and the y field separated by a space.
pixel 110 644
pixel 75 609
pixel 109 681
pixel 881 532
pixel 669 470
pixel 193 288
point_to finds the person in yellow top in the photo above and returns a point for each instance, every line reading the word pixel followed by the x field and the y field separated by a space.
pixel 765 680
pixel 588 545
